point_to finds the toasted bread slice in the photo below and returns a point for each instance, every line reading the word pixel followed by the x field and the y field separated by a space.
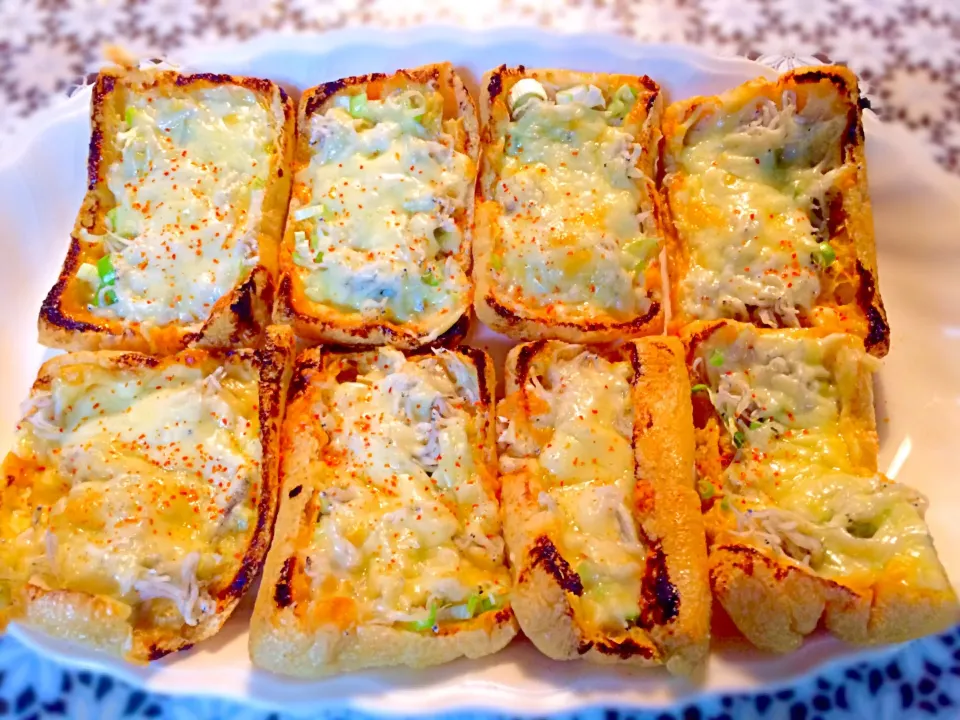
pixel 568 227
pixel 176 241
pixel 388 548
pixel 767 191
pixel 603 525
pixel 801 526
pixel 378 247
pixel 138 502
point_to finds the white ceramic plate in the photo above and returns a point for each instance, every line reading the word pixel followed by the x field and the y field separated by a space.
pixel 917 220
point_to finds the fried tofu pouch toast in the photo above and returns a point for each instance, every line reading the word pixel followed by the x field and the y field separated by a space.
pixel 601 518
pixel 388 548
pixel 568 224
pixel 377 248
pixel 771 219
pixel 139 499
pixel 802 528
pixel 175 244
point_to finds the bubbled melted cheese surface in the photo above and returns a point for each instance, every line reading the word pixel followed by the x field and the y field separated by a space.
pixel 748 198
pixel 587 471
pixel 138 484
pixel 409 524
pixel 189 189
pixel 793 484
pixel 393 191
pixel 571 239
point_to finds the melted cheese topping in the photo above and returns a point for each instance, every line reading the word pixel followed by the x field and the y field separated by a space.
pixel 189 189
pixel 408 525
pixel 587 472
pixel 388 191
pixel 748 198
pixel 572 237
pixel 136 484
pixel 793 483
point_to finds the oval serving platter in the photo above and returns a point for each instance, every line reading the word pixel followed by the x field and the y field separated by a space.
pixel 42 177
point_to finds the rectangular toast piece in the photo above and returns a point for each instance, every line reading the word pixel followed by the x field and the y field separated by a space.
pixel 388 548
pixel 175 244
pixel 602 520
pixel 801 527
pixel 377 249
pixel 771 221
pixel 139 498
pixel 568 228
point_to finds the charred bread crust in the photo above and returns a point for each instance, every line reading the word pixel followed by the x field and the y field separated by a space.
pixel 673 625
pixel 284 636
pixel 320 323
pixel 493 306
pixel 850 287
pixel 240 317
pixel 776 601
pixel 111 626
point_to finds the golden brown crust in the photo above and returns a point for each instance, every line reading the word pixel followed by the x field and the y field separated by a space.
pixel 318 322
pixel 774 600
pixel 112 626
pixel 494 306
pixel 285 636
pixel 850 297
pixel 239 317
pixel 673 625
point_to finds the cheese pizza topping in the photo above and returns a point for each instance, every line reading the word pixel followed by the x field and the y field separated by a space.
pixel 750 201
pixel 794 482
pixel 378 212
pixel 586 467
pixel 189 187
pixel 135 483
pixel 407 516
pixel 573 239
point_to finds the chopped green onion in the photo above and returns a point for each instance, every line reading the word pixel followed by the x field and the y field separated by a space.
pixel 358 105
pixel 700 387
pixel 259 183
pixel 825 254
pixel 622 102
pixel 725 505
pixel 310 211
pixel 523 91
pixel 641 249
pixel 319 256
pixel 129 115
pixel 109 297
pixel 739 438
pixel 488 603
pixel 755 425
pixel 106 271
pixel 430 279
pixel 426 623
pixel 473 602
pixel 496 261
pixel 88 273
pixel 716 359
pixel 706 489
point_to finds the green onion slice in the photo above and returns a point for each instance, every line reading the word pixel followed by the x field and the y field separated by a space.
pixel 700 387
pixel 825 254
pixel 425 624
pixel 430 279
pixel 106 271
pixel 716 358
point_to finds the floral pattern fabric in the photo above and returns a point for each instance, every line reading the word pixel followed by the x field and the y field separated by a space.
pixel 906 51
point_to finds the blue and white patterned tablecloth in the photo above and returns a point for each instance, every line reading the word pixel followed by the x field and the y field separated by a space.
pixel 921 680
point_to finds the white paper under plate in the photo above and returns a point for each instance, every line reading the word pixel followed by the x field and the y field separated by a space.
pixel 917 219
